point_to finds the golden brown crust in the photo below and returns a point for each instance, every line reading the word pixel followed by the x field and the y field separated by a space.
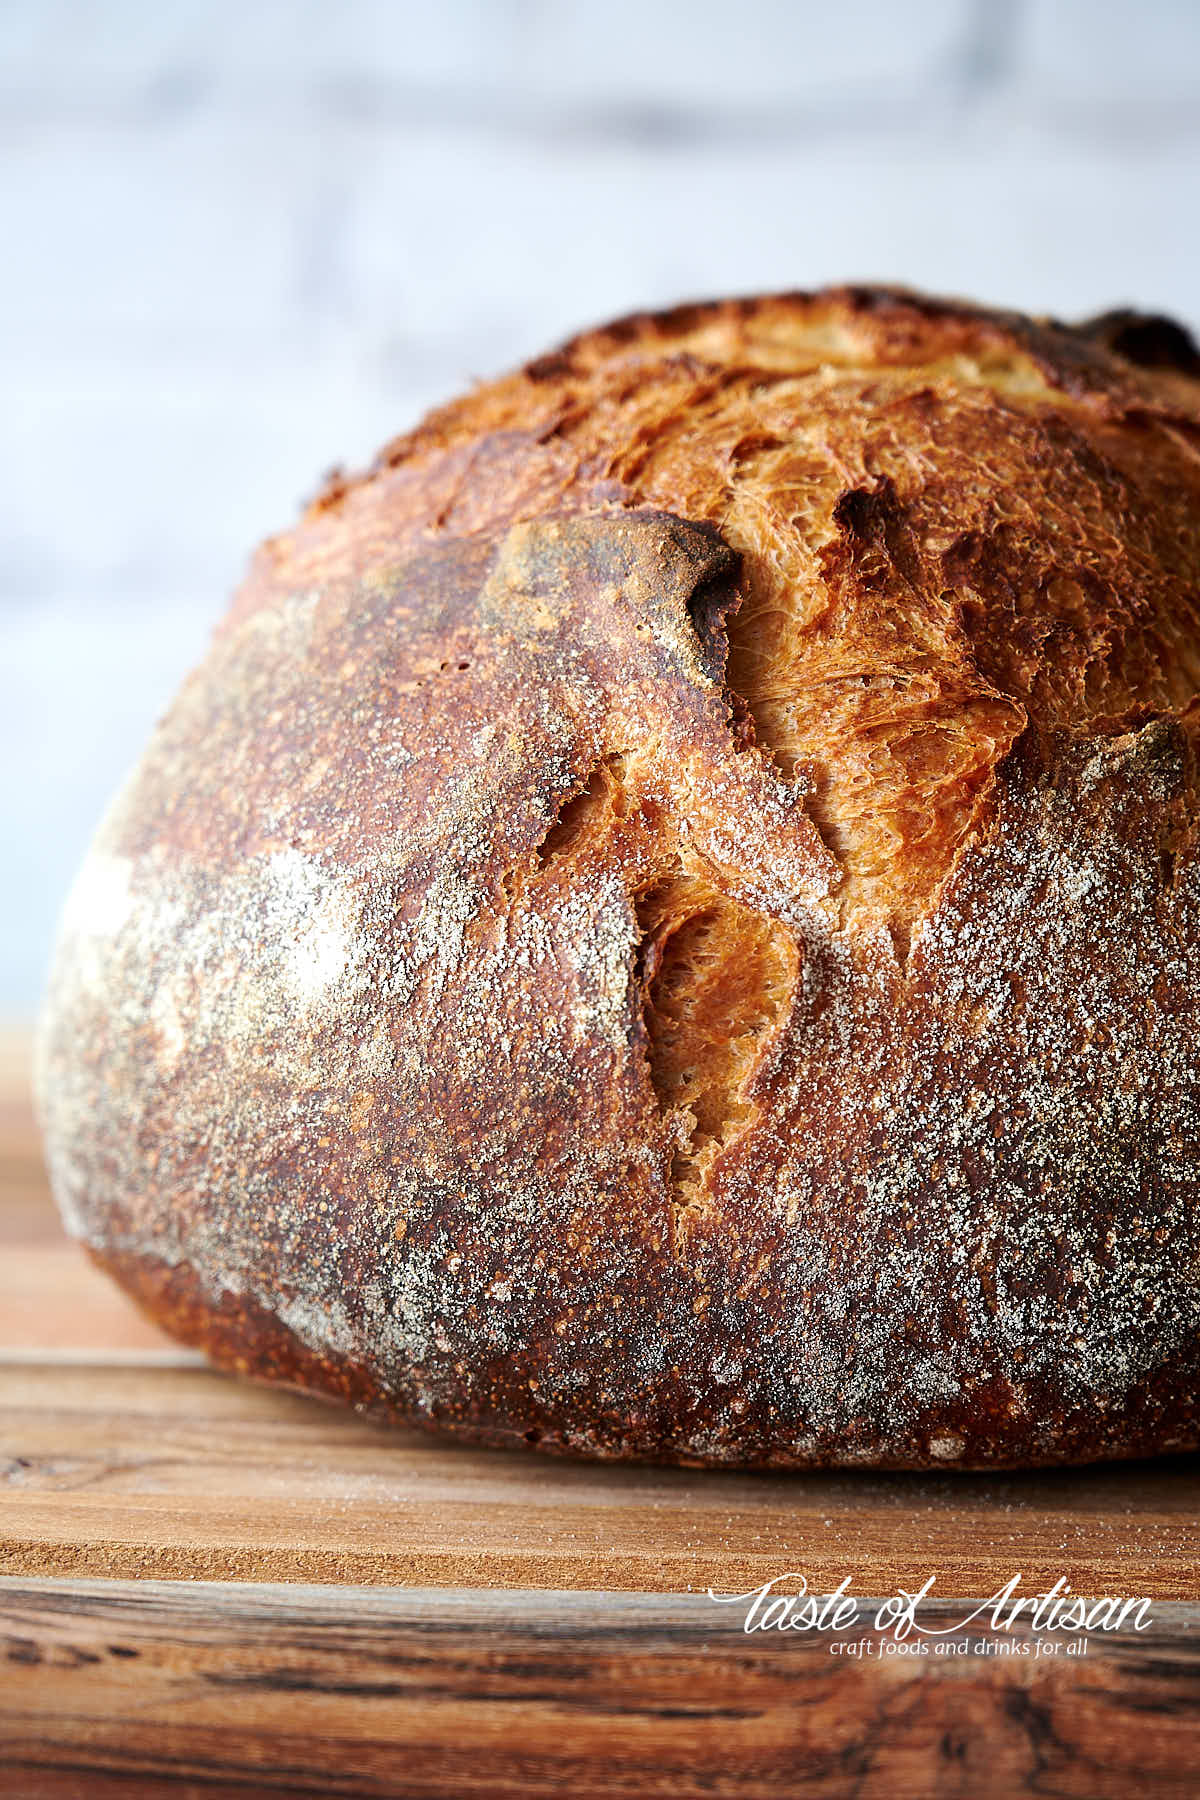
pixel 666 924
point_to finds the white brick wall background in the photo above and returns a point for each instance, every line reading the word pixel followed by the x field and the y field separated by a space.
pixel 246 239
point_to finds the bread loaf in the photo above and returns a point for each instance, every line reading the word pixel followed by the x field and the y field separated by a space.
pixel 668 922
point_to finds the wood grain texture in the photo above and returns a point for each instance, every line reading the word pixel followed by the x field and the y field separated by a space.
pixel 172 1471
pixel 207 1689
pixel 27 1214
pixel 53 1298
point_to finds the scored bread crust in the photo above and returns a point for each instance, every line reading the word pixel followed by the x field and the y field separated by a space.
pixel 667 923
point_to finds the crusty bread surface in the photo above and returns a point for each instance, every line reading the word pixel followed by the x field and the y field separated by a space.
pixel 668 922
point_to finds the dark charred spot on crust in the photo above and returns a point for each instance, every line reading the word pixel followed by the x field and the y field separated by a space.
pixel 1167 863
pixel 552 367
pixel 334 485
pixel 875 518
pixel 709 606
pixel 859 512
pixel 673 321
pixel 1150 340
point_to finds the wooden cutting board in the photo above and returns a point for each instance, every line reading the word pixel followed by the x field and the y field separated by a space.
pixel 212 1587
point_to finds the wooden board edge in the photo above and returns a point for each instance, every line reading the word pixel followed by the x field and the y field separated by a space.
pixel 232 1689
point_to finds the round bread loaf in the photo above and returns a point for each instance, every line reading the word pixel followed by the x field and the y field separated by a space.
pixel 668 922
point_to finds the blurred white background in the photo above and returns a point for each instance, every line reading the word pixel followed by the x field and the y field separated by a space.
pixel 247 239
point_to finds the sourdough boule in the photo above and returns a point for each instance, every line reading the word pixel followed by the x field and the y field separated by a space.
pixel 667 923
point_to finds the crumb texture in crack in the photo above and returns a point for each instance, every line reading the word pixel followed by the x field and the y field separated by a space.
pixel 601 801
pixel 715 976
pixel 718 978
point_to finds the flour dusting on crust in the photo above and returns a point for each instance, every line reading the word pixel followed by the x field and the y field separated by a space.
pixel 666 923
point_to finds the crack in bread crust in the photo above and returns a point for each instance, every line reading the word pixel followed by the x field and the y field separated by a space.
pixel 718 979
